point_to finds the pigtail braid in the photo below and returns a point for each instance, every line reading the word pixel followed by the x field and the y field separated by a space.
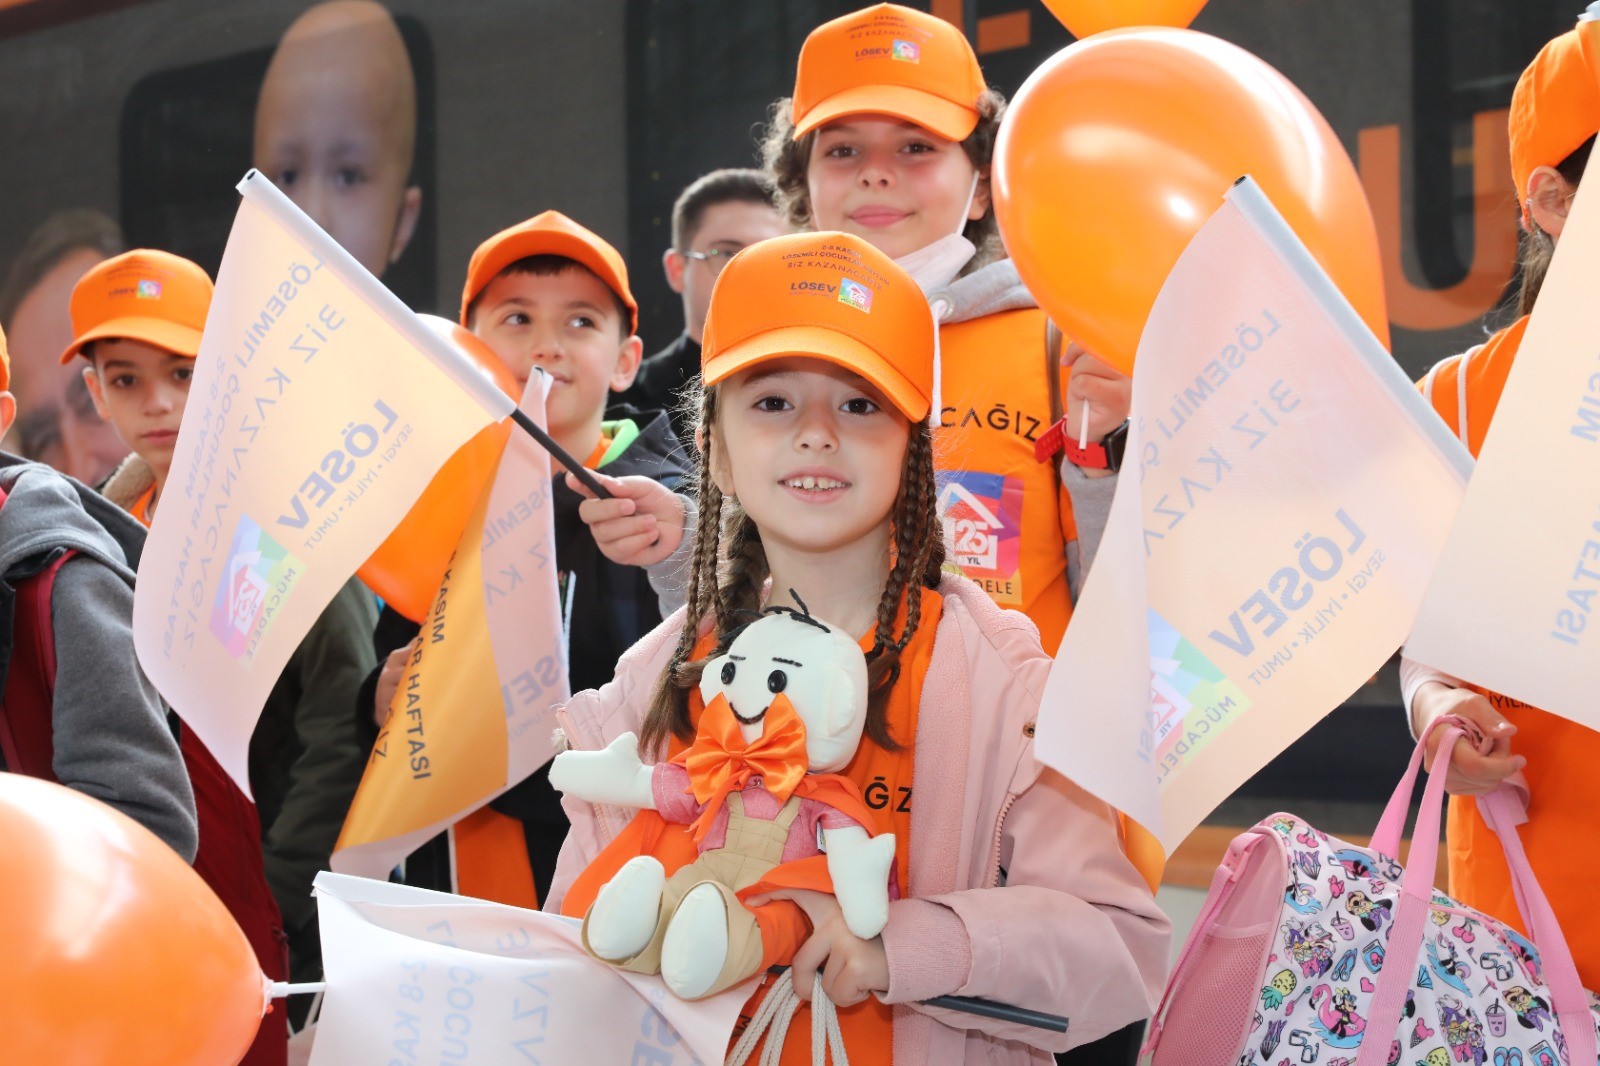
pixel 918 559
pixel 669 703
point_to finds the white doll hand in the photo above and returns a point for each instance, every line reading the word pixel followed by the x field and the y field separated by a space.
pixel 859 868
pixel 614 775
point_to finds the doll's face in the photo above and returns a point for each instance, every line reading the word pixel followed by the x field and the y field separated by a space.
pixel 819 668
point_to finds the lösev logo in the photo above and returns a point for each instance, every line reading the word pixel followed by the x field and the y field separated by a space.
pixel 907 51
pixel 256 580
pixel 149 290
pixel 855 294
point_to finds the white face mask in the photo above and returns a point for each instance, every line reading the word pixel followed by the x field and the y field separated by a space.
pixel 935 265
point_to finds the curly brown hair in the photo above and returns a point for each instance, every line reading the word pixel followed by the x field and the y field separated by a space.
pixel 728 570
pixel 787 159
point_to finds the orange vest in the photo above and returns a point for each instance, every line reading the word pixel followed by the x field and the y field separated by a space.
pixel 1006 517
pixel 1564 790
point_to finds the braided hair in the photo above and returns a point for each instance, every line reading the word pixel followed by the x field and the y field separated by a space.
pixel 728 571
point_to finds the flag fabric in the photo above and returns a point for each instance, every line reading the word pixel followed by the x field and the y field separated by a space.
pixel 1284 497
pixel 319 409
pixel 419 976
pixel 1516 590
pixel 474 712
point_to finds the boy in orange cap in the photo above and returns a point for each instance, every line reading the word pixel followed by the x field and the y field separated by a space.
pixel 1555 114
pixel 550 294
pixel 137 320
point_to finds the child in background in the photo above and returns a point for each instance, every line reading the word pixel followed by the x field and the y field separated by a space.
pixel 889 136
pixel 550 294
pixel 137 320
pixel 817 483
pixel 1555 113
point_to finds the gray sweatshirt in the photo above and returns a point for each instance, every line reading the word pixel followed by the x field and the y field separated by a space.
pixel 109 725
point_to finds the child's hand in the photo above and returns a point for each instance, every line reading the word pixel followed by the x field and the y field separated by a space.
pixel 1473 772
pixel 852 968
pixel 1108 392
pixel 394 668
pixel 641 524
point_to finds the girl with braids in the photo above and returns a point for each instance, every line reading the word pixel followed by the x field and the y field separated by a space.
pixel 1555 113
pixel 817 484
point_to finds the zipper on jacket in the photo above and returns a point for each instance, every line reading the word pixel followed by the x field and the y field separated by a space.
pixel 993 877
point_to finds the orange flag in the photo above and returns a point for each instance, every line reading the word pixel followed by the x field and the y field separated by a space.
pixel 474 713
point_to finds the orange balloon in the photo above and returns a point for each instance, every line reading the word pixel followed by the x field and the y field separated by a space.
pixel 406 569
pixel 1119 148
pixel 114 949
pixel 1085 17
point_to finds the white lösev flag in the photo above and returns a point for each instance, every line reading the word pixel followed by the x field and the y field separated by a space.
pixel 319 409
pixel 418 976
pixel 1285 495
pixel 1515 594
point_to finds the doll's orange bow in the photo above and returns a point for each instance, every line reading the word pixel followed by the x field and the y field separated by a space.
pixel 719 762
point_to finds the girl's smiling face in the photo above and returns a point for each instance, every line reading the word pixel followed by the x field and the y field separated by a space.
pixel 813 452
pixel 892 183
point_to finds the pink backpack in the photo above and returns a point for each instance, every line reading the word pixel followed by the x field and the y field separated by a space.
pixel 1313 950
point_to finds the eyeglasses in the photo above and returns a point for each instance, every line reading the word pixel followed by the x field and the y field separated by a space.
pixel 714 258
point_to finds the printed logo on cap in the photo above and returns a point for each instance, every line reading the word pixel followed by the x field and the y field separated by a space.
pixel 907 51
pixel 149 290
pixel 855 294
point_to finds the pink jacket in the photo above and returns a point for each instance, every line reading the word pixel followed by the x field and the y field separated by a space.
pixel 1073 931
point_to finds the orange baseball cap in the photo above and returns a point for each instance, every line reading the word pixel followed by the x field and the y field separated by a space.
pixel 831 296
pixel 550 233
pixel 143 295
pixel 1555 106
pixel 5 363
pixel 888 60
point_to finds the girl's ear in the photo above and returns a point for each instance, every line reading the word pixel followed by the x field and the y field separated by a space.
pixel 1549 199
pixel 981 200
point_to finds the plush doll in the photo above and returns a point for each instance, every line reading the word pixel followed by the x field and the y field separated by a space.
pixel 760 792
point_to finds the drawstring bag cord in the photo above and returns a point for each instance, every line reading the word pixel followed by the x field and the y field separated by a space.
pixel 772 1021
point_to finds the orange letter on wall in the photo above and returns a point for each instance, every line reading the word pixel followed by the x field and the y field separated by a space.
pixel 1494 228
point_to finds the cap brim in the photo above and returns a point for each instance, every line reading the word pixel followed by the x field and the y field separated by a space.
pixel 817 342
pixel 950 121
pixel 160 332
pixel 548 242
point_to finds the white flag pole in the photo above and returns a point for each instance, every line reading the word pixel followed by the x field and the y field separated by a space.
pixel 260 190
pixel 1254 205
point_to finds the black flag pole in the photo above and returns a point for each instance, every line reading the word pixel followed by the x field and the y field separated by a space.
pixel 560 454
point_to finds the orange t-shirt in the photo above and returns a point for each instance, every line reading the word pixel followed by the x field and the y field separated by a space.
pixel 1006 517
pixel 1564 789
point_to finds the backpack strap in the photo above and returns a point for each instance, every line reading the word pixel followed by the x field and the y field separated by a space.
pixel 1053 341
pixel 1054 438
pixel 26 702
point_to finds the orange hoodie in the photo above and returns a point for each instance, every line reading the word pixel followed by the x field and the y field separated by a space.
pixel 1006 515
